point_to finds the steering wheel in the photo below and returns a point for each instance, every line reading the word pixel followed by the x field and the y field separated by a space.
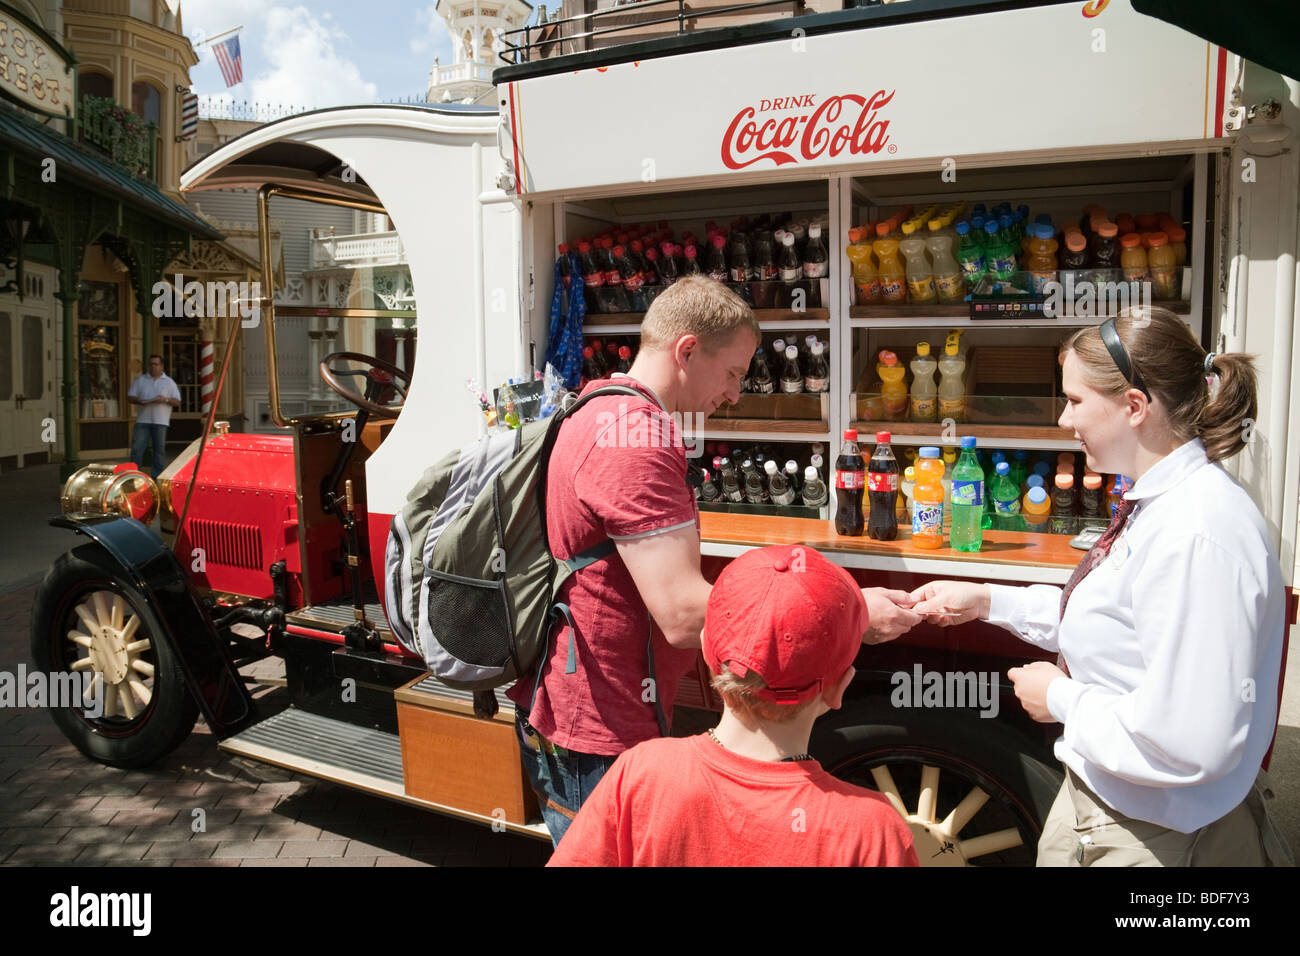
pixel 379 375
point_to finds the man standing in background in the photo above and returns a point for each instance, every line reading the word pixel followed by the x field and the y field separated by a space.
pixel 158 394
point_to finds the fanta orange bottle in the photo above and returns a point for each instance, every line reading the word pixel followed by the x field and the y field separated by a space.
pixel 927 498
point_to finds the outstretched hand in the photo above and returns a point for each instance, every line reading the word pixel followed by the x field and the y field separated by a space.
pixel 889 614
pixel 1031 682
pixel 948 603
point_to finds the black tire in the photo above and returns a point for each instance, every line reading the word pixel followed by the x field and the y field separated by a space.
pixel 158 726
pixel 1017 772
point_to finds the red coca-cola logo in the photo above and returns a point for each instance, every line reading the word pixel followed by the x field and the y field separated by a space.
pixel 809 134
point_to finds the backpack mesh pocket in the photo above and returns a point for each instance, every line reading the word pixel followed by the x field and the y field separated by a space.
pixel 470 618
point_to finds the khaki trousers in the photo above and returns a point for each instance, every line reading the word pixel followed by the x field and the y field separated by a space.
pixel 1082 831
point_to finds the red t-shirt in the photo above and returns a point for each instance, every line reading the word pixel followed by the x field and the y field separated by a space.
pixel 618 470
pixel 689 802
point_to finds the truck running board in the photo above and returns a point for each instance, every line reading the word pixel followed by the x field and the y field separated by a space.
pixel 357 757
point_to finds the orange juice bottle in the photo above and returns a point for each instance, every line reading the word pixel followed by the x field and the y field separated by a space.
pixel 1133 258
pixel 893 278
pixel 865 281
pixel 893 393
pixel 1178 242
pixel 1163 263
pixel 927 498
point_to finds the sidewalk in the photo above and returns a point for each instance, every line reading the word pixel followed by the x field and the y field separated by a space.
pixel 202 807
pixel 29 497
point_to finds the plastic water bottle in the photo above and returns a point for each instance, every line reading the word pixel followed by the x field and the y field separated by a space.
pixel 1006 499
pixel 967 499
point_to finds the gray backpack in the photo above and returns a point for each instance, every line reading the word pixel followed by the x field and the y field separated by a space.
pixel 470 579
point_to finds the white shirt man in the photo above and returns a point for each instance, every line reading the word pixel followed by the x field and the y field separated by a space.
pixel 156 394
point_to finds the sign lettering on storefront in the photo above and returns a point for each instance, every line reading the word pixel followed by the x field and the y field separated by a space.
pixel 35 72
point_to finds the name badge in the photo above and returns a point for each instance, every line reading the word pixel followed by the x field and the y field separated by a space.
pixel 1119 552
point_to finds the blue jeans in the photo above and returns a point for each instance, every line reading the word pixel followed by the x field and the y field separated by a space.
pixel 562 784
pixel 145 435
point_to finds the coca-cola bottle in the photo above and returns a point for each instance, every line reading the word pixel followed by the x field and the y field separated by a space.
pixel 850 480
pixel 882 491
pixel 690 262
pixel 816 261
pixel 709 490
pixel 651 259
pixel 590 371
pixel 631 278
pixel 614 297
pixel 813 491
pixel 764 259
pixel 819 373
pixel 791 377
pixel 715 267
pixel 740 267
pixel 760 376
pixel 563 261
pixel 778 486
pixel 624 359
pixel 667 264
pixel 789 268
pixel 593 278
pixel 611 356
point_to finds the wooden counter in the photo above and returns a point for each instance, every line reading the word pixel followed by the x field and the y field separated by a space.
pixel 1005 555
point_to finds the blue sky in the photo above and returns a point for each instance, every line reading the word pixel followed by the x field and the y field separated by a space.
pixel 321 53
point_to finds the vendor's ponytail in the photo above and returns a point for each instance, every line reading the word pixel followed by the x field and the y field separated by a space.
pixel 1228 417
pixel 1208 397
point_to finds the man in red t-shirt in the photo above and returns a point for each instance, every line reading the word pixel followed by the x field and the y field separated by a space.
pixel 782 629
pixel 618 472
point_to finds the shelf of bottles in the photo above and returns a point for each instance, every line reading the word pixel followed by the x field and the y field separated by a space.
pixel 786 478
pixel 958 302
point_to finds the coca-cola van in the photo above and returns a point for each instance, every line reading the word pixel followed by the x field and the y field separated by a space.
pixel 840 119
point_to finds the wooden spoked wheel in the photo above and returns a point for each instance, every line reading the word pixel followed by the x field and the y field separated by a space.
pixel 114 650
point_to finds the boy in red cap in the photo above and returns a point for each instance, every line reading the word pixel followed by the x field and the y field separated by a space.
pixel 782 627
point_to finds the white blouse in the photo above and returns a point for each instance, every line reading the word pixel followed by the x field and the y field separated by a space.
pixel 1174 645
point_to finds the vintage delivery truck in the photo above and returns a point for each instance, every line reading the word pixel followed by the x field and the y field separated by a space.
pixel 844 117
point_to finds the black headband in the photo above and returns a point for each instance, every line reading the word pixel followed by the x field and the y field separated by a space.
pixel 1120 356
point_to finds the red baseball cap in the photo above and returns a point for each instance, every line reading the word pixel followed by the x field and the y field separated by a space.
pixel 788 614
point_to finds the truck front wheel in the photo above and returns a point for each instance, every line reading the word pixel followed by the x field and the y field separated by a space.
pixel 132 705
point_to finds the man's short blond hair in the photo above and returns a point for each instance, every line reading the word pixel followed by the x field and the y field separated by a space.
pixel 699 306
pixel 739 695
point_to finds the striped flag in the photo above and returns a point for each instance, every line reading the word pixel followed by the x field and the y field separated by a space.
pixel 228 58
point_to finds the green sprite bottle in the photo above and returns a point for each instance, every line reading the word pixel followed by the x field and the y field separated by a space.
pixel 967 500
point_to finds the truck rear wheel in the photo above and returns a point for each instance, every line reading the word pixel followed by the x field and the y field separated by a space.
pixel 87 620
pixel 973 791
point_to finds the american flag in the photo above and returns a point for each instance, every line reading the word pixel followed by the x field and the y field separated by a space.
pixel 228 58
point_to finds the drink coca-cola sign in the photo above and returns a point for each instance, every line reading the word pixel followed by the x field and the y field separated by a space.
pixel 796 129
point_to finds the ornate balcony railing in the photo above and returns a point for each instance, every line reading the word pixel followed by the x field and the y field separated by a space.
pixel 120 135
pixel 378 248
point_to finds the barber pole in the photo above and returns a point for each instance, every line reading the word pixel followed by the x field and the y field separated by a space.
pixel 205 376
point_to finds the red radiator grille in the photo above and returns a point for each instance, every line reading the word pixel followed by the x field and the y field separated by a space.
pixel 223 542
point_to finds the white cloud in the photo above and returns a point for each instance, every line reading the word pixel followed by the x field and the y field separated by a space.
pixel 305 68
pixel 430 34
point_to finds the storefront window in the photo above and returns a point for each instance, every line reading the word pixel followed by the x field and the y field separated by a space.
pixel 180 354
pixel 98 338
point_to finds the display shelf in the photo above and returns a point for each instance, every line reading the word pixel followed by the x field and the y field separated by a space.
pixel 1003 436
pixel 779 427
pixel 958 316
pixel 768 319
pixel 1005 555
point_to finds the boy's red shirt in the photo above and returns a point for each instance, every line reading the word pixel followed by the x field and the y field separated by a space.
pixel 690 802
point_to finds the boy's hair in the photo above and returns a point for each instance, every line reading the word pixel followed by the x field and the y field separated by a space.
pixel 699 306
pixel 738 693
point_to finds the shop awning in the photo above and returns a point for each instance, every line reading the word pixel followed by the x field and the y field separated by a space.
pixel 73 161
pixel 1262 31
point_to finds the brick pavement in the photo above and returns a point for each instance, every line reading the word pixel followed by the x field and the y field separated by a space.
pixel 203 807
